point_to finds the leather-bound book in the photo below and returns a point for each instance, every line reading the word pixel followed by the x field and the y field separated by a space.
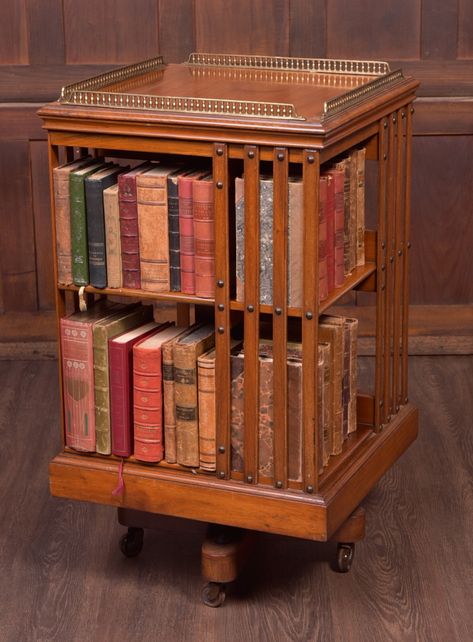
pixel 78 375
pixel 173 225
pixel 186 351
pixel 344 166
pixel 295 231
pixel 360 206
pixel 129 241
pixel 339 225
pixel 186 231
pixel 266 420
pixel 94 187
pixel 79 245
pixel 351 332
pixel 169 396
pixel 331 332
pixel 323 272
pixel 113 250
pixel 266 239
pixel 204 236
pixel 320 410
pixel 326 420
pixel 120 362
pixel 128 317
pixel 330 218
pixel 62 213
pixel 152 200
pixel 148 395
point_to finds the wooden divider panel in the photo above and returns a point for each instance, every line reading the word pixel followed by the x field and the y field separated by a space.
pixel 388 292
pixel 407 244
pixel 397 254
pixel 381 276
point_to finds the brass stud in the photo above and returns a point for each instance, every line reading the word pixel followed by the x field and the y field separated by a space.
pixel 310 489
pixel 309 316
pixel 219 185
pixel 310 159
pixel 250 308
pixel 383 267
pixel 399 252
pixel 221 329
pixel 385 156
pixel 394 119
pixel 385 124
pixel 220 283
pixel 221 449
pixel 403 114
pixel 280 156
pixel 406 400
pixel 383 245
pixel 249 479
pixel 391 259
pixel 278 311
pixel 251 154
pixel 397 408
pixel 383 287
pixel 221 307
pixel 408 245
pixel 219 151
pixel 412 110
pixel 381 403
pixel 279 484
pixel 222 474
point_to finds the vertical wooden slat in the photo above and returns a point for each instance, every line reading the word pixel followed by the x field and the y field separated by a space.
pixel 251 314
pixel 280 233
pixel 183 314
pixel 398 264
pixel 390 205
pixel 407 222
pixel 222 308
pixel 310 176
pixel 380 276
pixel 60 295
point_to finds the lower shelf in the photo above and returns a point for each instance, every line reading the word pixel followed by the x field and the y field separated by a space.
pixel 233 503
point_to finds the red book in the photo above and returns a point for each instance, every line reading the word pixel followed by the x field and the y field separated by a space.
pixel 148 395
pixel 186 231
pixel 323 281
pixel 120 361
pixel 338 176
pixel 129 239
pixel 204 237
pixel 330 218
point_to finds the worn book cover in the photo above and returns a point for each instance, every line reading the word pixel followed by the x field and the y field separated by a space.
pixel 173 225
pixel 112 237
pixel 204 236
pixel 186 230
pixel 338 225
pixel 331 331
pixel 360 206
pixel 186 351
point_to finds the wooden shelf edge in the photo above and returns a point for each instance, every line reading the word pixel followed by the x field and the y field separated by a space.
pixel 173 297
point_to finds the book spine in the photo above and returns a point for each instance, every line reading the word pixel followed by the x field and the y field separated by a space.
pixel 120 399
pixel 294 243
pixel 294 414
pixel 147 405
pixel 63 225
pixel 130 248
pixel 95 233
pixel 103 443
pixel 344 166
pixel 353 386
pixel 204 238
pixel 187 424
pixel 330 217
pixel 78 383
pixel 360 207
pixel 186 236
pixel 80 254
pixel 174 246
pixel 153 232
pixel 169 403
pixel 320 410
pixel 346 378
pixel 240 238
pixel 352 162
pixel 266 240
pixel 339 223
pixel 112 236
pixel 324 349
pixel 332 333
pixel 323 273
pixel 207 413
pixel 237 365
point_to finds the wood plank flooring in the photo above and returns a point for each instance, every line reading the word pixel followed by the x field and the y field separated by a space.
pixel 62 577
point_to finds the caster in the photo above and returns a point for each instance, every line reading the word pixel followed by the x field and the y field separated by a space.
pixel 345 555
pixel 213 594
pixel 132 542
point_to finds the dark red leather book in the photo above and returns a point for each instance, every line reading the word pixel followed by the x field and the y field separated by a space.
pixel 120 360
pixel 204 238
pixel 186 231
pixel 330 218
pixel 148 395
pixel 323 277
pixel 339 225
pixel 130 246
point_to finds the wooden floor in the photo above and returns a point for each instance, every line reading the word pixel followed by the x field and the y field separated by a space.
pixel 63 578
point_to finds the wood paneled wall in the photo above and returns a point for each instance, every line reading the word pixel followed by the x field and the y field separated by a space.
pixel 47 43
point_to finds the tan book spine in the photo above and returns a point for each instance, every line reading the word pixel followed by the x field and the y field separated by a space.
pixel 352 161
pixel 207 410
pixel 353 380
pixel 324 352
pixel 320 410
pixel 360 206
pixel 112 237
pixel 294 243
pixel 187 415
pixel 331 332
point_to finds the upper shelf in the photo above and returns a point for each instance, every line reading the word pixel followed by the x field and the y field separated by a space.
pixel 297 92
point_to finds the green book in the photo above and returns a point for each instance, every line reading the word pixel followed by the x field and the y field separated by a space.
pixel 80 253
pixel 126 319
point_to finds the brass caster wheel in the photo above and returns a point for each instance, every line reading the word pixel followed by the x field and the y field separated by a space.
pixel 345 555
pixel 213 594
pixel 132 542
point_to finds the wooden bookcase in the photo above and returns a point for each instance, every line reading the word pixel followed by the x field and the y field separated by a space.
pixel 286 112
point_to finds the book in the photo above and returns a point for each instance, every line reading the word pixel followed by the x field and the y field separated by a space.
pixel 77 358
pixel 185 353
pixel 186 231
pixel 331 332
pixel 79 243
pixel 62 214
pixel 265 423
pixel 173 226
pixel 113 251
pixel 169 396
pixel 128 317
pixel 323 271
pixel 295 232
pixel 94 187
pixel 153 232
pixel 351 335
pixel 360 206
pixel 326 419
pixel 204 236
pixel 120 362
pixel 129 241
pixel 338 177
pixel 148 395
pixel 330 222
